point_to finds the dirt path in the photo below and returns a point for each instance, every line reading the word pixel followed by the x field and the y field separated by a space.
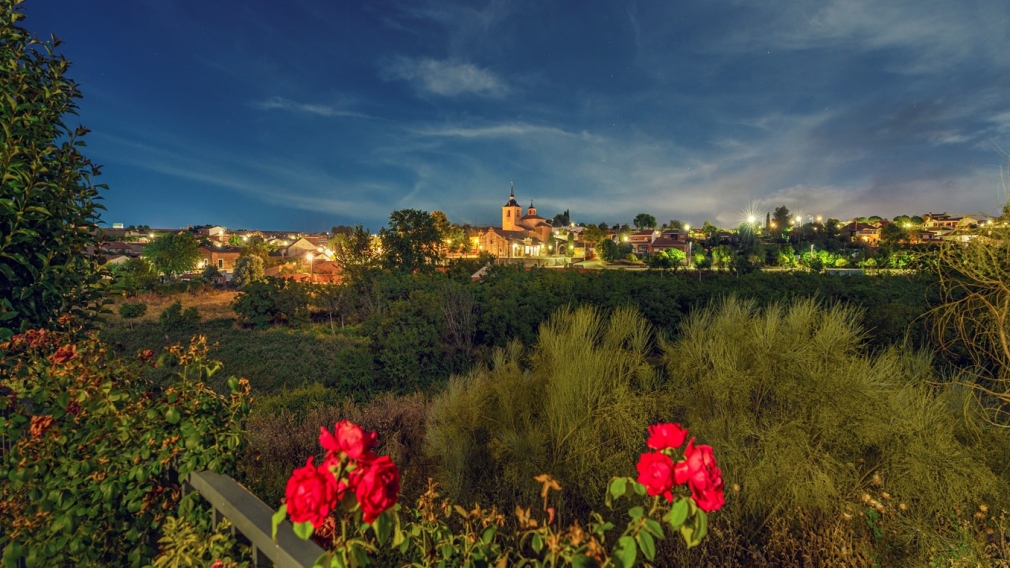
pixel 214 304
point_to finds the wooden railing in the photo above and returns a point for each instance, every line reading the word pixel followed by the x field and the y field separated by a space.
pixel 251 518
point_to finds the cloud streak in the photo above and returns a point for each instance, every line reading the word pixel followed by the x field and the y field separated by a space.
pixel 281 103
pixel 445 78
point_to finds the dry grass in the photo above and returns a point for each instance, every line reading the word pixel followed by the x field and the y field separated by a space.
pixel 212 304
pixel 279 443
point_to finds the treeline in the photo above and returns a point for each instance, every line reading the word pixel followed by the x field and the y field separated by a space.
pixel 394 331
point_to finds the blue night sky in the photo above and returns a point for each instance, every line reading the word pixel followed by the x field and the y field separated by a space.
pixel 304 114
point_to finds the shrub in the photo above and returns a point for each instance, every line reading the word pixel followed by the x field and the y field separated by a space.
pixel 48 199
pixel 95 448
pixel 174 319
pixel 808 422
pixel 574 412
pixel 248 269
pixel 132 311
pixel 271 301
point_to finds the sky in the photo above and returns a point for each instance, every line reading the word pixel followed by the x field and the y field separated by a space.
pixel 305 114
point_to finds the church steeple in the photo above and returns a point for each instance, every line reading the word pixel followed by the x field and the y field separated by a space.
pixel 532 210
pixel 511 211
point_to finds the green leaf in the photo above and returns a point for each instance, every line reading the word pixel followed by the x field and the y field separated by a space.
pixel 626 551
pixel 304 530
pixel 382 526
pixel 172 416
pixel 538 543
pixel 618 486
pixel 678 513
pixel 647 545
pixel 277 519
pixel 636 512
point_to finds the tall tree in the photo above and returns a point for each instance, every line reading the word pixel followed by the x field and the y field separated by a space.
pixel 781 218
pixel 173 253
pixel 353 250
pixel 411 242
pixel 561 219
pixel 644 221
pixel 49 208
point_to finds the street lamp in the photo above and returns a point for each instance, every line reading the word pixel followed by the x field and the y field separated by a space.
pixel 310 258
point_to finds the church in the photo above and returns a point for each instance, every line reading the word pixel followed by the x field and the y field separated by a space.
pixel 520 236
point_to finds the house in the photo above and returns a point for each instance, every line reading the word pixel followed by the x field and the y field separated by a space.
pixel 641 241
pixel 301 247
pixel 862 233
pixel 221 256
pixel 671 240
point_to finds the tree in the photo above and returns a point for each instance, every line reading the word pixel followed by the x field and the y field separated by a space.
pixel 676 224
pixel 134 275
pixel 592 235
pixel 441 224
pixel 173 253
pixel 130 312
pixel 893 234
pixel 607 250
pixel 353 250
pixel 411 242
pixel 781 219
pixel 248 269
pixel 331 299
pixel 644 221
pixel 49 208
pixel 561 219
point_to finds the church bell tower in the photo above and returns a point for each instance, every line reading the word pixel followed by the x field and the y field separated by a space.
pixel 511 211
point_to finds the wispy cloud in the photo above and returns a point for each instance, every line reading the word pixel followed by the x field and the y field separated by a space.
pixel 281 103
pixel 502 130
pixel 445 78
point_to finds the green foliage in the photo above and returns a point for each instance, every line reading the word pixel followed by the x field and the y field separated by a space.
pixel 48 200
pixel 190 540
pixel 405 342
pixel 576 411
pixel 273 301
pixel 175 319
pixel 134 276
pixel 411 242
pixel 129 311
pixel 606 249
pixel 248 269
pixel 173 254
pixel 805 420
pixel 644 221
pixel 94 447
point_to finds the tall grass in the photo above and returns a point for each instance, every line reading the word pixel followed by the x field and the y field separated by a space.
pixel 803 420
pixel 575 405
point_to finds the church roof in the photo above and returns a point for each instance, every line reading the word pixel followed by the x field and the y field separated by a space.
pixel 512 196
pixel 534 216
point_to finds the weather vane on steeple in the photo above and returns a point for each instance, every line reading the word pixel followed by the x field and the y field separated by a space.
pixel 512 190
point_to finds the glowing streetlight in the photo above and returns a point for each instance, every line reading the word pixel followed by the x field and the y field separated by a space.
pixel 310 257
pixel 687 227
pixel 799 219
pixel 819 218
pixel 751 219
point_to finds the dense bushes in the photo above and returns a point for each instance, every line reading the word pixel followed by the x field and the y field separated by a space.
pixel 49 207
pixel 809 423
pixel 175 319
pixel 273 301
pixel 95 450
pixel 573 406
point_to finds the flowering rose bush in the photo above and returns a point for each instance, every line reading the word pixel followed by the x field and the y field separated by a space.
pixel 351 479
pixel 354 492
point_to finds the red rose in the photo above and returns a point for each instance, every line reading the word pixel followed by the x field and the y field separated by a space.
pixel 666 436
pixel 64 354
pixel 655 472
pixel 311 494
pixel 349 438
pixel 376 485
pixel 702 475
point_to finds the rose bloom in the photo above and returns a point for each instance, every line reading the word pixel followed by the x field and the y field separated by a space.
pixel 349 438
pixel 311 494
pixel 655 472
pixel 702 475
pixel 376 485
pixel 666 436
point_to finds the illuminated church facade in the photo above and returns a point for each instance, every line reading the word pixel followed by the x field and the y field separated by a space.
pixel 520 236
